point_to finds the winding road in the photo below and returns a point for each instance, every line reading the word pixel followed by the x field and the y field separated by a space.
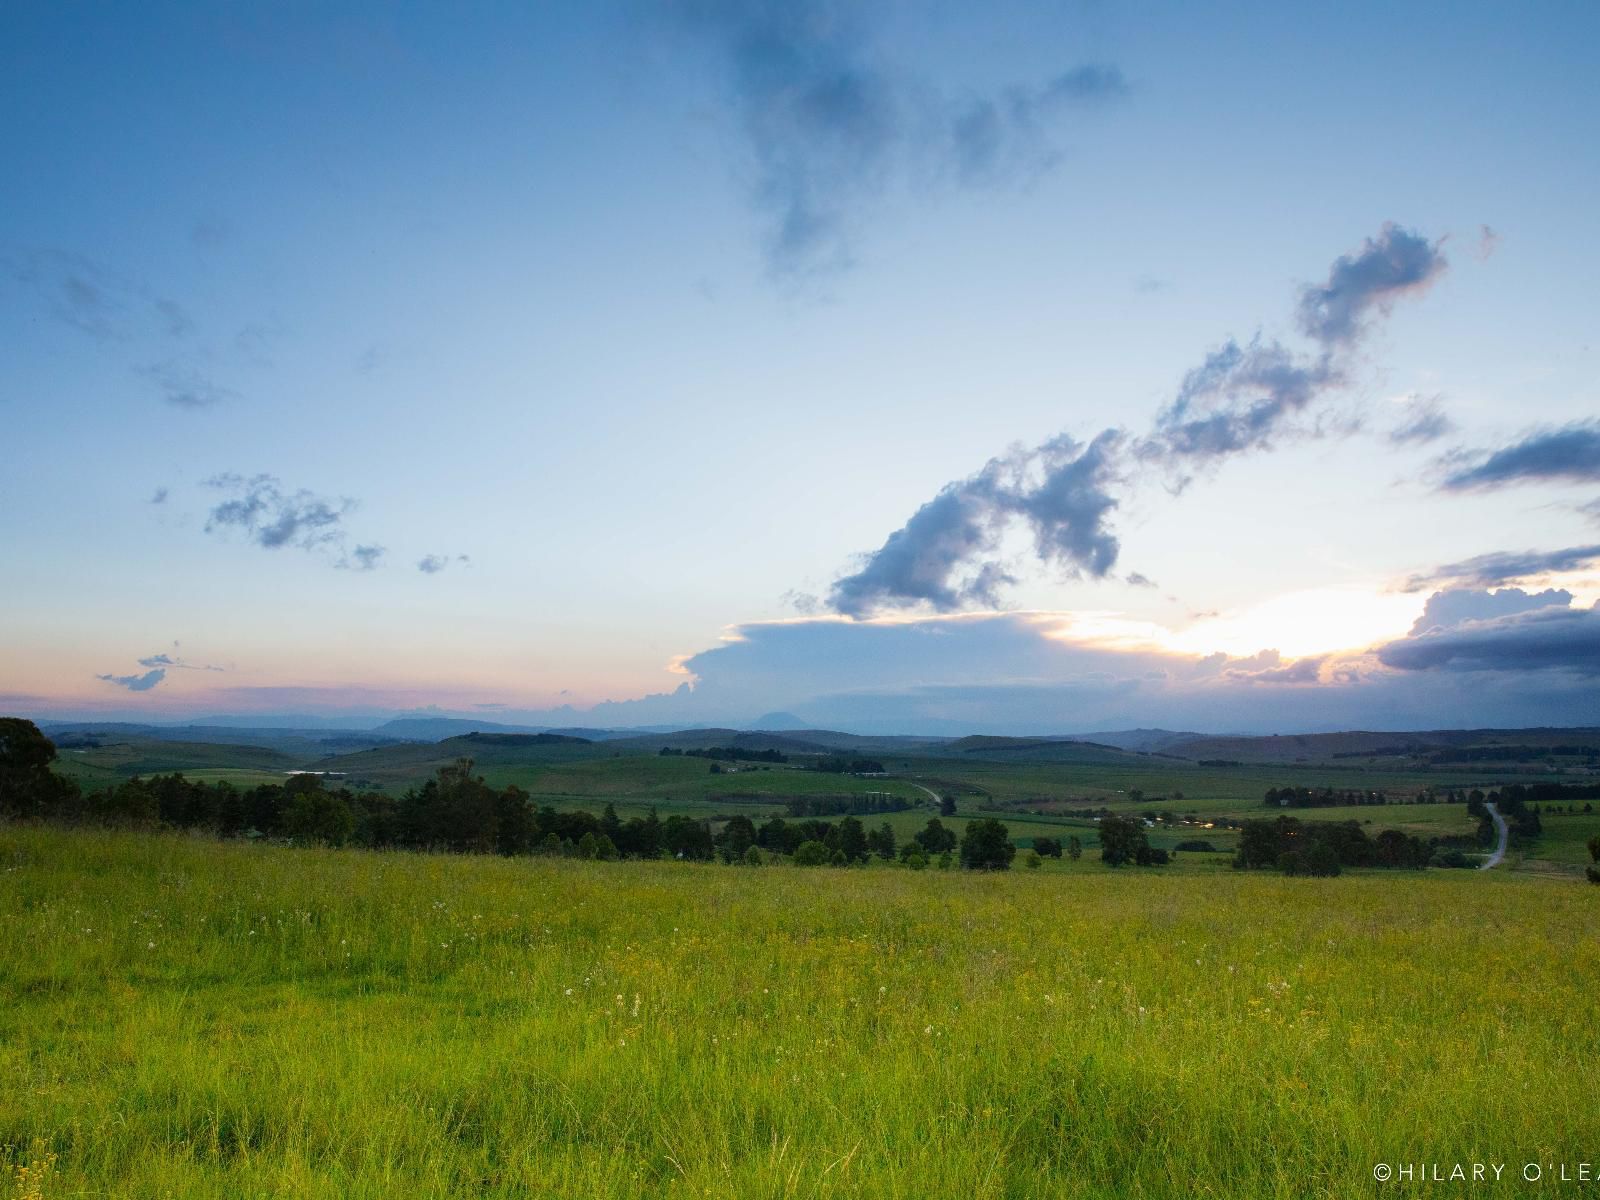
pixel 1500 850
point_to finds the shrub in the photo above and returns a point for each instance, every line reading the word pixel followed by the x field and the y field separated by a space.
pixel 1033 861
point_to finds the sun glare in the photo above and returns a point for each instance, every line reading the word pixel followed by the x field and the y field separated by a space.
pixel 1303 623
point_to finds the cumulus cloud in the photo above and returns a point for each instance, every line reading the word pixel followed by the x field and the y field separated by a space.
pixel 1240 398
pixel 273 517
pixel 1424 420
pixel 1447 609
pixel 1302 670
pixel 1042 673
pixel 1504 566
pixel 136 683
pixel 829 127
pixel 1550 637
pixel 1570 454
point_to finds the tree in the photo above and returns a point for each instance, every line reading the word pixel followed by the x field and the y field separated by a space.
pixel 1074 848
pixel 1594 847
pixel 1121 839
pixel 27 785
pixel 752 857
pixel 737 836
pixel 314 815
pixel 947 806
pixel 852 839
pixel 1032 860
pixel 1047 847
pixel 588 846
pixel 881 841
pixel 916 860
pixel 986 846
pixel 810 854
pixel 935 838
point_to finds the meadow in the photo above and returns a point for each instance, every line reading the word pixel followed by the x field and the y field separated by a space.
pixel 189 1018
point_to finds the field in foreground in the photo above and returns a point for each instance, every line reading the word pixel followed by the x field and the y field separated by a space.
pixel 181 1017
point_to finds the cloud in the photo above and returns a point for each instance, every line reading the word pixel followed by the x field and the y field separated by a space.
pixel 185 386
pixel 432 564
pixel 1490 570
pixel 1135 579
pixel 1239 398
pixel 1550 637
pixel 1570 454
pixel 361 558
pixel 1488 243
pixel 174 663
pixel 1236 400
pixel 274 518
pixel 1058 490
pixel 95 300
pixel 1445 610
pixel 1302 670
pixel 1042 673
pixel 1424 421
pixel 136 683
pixel 1395 263
pixel 829 127
pixel 159 496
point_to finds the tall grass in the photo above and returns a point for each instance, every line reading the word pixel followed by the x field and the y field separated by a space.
pixel 185 1018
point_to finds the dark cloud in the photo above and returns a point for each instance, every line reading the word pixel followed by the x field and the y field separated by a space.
pixel 1570 454
pixel 1393 264
pixel 1058 489
pixel 1490 570
pixel 136 683
pixel 1135 579
pixel 1424 421
pixel 432 564
pixel 274 518
pixel 184 385
pixel 1551 637
pixel 1240 398
pixel 1445 610
pixel 829 127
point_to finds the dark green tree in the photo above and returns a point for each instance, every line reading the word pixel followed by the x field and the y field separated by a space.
pixel 1121 839
pixel 986 846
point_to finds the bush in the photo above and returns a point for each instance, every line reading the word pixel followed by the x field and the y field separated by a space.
pixel 917 860
pixel 752 857
pixel 1197 846
pixel 1033 862
pixel 1592 873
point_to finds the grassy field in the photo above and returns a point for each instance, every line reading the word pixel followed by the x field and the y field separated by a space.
pixel 186 1018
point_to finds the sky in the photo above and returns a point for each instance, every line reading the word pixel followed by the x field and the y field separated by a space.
pixel 1018 368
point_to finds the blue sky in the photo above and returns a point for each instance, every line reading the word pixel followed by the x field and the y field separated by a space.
pixel 644 326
